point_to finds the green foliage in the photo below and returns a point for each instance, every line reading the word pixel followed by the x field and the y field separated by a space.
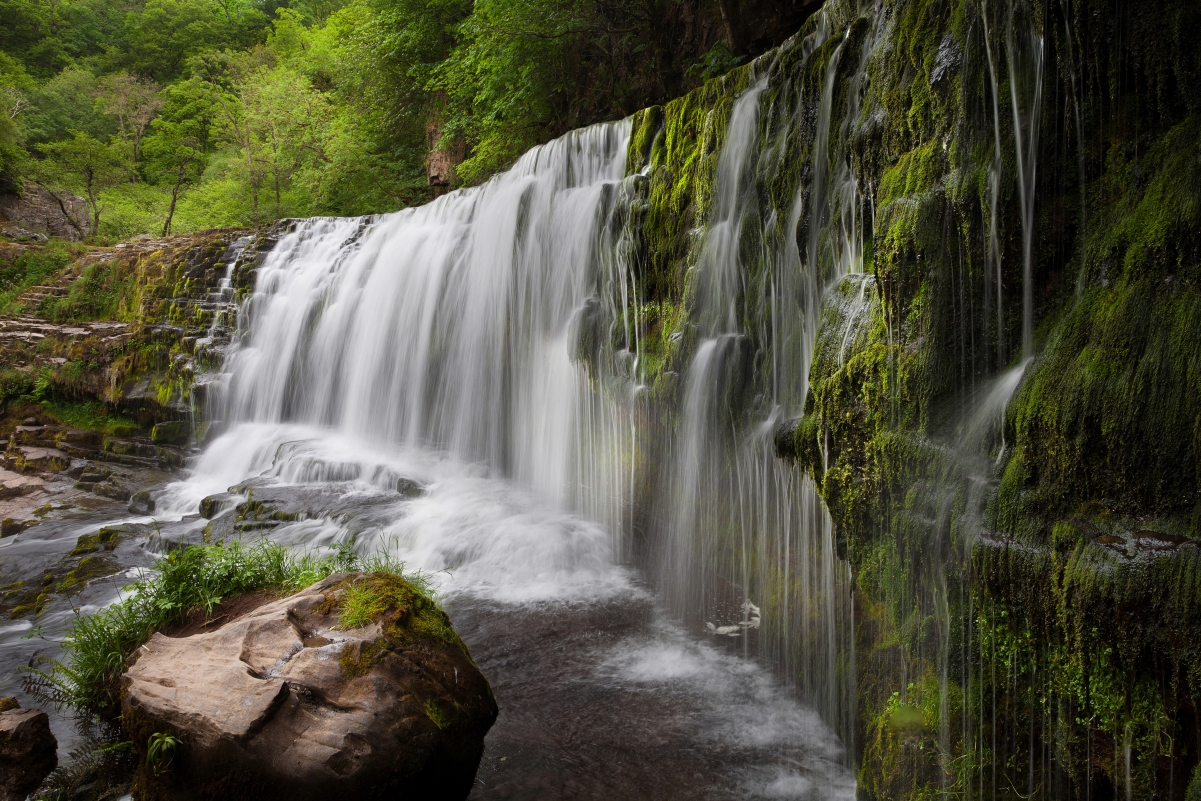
pixel 367 600
pixel 96 295
pixel 87 679
pixel 263 109
pixel 90 416
pixel 85 165
pixel 31 268
pixel 160 752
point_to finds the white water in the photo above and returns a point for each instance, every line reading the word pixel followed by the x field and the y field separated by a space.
pixel 438 344
pixel 476 346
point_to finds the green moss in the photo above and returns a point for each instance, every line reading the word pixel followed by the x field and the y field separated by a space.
pixel 685 139
pixel 90 567
pixel 91 416
pixel 357 658
pixel 405 611
pixel 106 539
pixel 435 714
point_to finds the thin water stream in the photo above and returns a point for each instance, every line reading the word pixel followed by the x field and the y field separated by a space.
pixel 457 384
pixel 442 383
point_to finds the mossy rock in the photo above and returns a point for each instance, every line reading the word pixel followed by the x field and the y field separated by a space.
pixel 175 432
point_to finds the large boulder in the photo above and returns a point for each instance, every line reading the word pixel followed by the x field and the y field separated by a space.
pixel 356 687
pixel 28 750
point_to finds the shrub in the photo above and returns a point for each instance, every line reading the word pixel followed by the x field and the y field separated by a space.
pixel 87 678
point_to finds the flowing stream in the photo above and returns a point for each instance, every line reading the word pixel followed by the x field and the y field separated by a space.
pixel 656 598
pixel 462 348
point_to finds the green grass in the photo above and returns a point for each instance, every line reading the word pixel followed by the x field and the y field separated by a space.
pixel 95 295
pixel 87 678
pixel 32 268
pixel 92 416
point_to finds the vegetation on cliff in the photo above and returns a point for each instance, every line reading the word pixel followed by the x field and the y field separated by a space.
pixel 190 114
pixel 1013 481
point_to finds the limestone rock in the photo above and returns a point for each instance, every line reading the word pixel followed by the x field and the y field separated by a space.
pixel 141 503
pixel 23 459
pixel 286 702
pixel 173 432
pixel 56 214
pixel 28 750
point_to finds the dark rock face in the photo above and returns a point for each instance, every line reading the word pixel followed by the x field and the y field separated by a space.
pixel 66 216
pixel 288 702
pixel 28 750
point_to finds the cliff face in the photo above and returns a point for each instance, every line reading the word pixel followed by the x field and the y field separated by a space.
pixel 118 336
pixel 995 208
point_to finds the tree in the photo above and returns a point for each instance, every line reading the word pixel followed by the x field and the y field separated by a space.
pixel 287 120
pixel 175 156
pixel 134 102
pixel 85 164
pixel 226 76
pixel 165 33
pixel 13 101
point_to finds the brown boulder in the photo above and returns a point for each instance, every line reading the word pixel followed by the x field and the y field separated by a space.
pixel 289 702
pixel 28 750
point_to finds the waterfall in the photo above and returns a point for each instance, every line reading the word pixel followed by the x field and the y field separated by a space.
pixel 484 348
pixel 455 326
pixel 1024 53
pixel 742 529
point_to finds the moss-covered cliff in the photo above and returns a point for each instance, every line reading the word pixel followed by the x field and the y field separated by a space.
pixel 113 337
pixel 1003 410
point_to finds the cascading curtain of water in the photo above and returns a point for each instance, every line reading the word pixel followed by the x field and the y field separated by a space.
pixel 456 326
pixel 500 324
pixel 740 528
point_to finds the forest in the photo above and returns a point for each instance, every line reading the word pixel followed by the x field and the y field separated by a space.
pixel 175 115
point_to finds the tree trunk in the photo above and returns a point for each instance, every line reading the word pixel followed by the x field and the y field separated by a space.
pixel 730 19
pixel 94 200
pixel 171 209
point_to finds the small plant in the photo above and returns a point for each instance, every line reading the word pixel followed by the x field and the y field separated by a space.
pixel 87 679
pixel 160 752
pixel 362 604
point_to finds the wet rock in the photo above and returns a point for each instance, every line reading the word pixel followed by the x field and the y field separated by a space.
pixel 214 505
pixel 141 503
pixel 94 475
pixel 15 485
pixel 23 459
pixel 113 490
pixel 89 440
pixel 409 489
pixel 175 432
pixel 1157 541
pixel 299 700
pixel 28 750
pixel 105 539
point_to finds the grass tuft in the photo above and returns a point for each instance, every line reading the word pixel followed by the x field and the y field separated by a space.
pixel 87 678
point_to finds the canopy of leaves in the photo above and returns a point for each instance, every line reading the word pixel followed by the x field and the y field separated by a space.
pixel 237 112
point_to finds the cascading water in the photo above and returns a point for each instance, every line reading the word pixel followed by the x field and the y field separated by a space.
pixel 475 347
pixel 743 529
pixel 1024 54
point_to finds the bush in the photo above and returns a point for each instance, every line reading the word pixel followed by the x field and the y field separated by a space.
pixel 31 268
pixel 87 678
